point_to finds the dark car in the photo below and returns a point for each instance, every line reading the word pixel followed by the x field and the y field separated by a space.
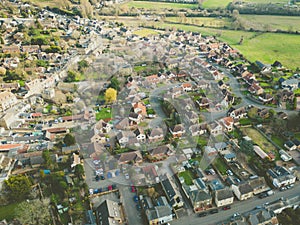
pixel 263 195
pixel 97 178
pixel 202 214
pixel 213 211
pixel 227 207
pixel 135 198
pixel 138 207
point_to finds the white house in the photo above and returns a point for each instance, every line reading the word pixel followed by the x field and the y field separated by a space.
pixel 223 197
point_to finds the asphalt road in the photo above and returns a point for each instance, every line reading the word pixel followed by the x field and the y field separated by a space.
pixel 238 206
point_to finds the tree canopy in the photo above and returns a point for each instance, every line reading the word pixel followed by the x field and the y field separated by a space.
pixel 110 95
pixel 69 140
pixel 18 187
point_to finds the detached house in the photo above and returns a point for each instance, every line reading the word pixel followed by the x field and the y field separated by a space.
pixel 258 185
pixel 160 152
pixel 227 123
pixel 156 135
pixel 242 191
pixel 140 108
pixel 256 89
pixel 280 176
pixel 140 134
pixel 124 138
pixel 159 215
pixel 198 129
pixel 177 131
pixel 135 118
pixel 237 114
pixel 171 191
pixel 215 129
pixel 200 200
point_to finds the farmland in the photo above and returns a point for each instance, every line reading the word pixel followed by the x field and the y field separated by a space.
pixel 214 4
pixel 158 5
pixel 200 21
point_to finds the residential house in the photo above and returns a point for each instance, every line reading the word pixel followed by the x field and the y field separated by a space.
pixel 263 113
pixel 9 87
pixel 192 116
pixel 187 87
pixel 31 48
pixel 237 114
pixel 140 134
pixel 290 145
pixel 280 176
pixel 159 215
pixel 265 98
pixel 109 212
pixel 230 157
pixel 198 129
pixel 215 185
pixel 175 92
pixel 223 197
pixel 99 138
pixel 171 191
pixel 200 200
pixel 12 49
pixel 52 132
pixel 227 123
pixel 102 127
pixel 134 157
pixel 177 131
pixel 215 129
pixel 123 124
pixel 210 151
pixel 7 100
pixel 242 191
pixel 124 138
pixel 203 102
pixel 261 217
pixel 160 152
pixel 256 89
pixel 290 84
pixel 140 108
pixel 258 185
pixel 135 118
pixel 156 135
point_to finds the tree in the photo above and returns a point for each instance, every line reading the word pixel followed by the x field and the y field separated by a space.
pixel 110 95
pixel 69 140
pixel 18 187
pixel 115 84
pixel 71 76
pixel 49 163
pixel 79 171
pixel 82 65
pixel 33 212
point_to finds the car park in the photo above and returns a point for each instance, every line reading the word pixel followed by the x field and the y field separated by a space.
pixel 202 214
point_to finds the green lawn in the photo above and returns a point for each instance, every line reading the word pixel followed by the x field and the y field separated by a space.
pixel 245 121
pixel 188 178
pixel 7 212
pixel 159 5
pixel 220 165
pixel 257 138
pixel 279 141
pixel 263 22
pixel 104 113
pixel 212 4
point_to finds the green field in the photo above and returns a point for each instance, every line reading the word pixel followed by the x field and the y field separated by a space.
pixel 103 114
pixel 212 4
pixel 201 21
pixel 272 23
pixel 220 165
pixel 158 5
pixel 187 176
pixel 258 139
pixel 8 212
pixel 145 32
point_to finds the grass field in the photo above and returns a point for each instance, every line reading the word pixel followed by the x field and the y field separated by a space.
pixel 269 22
pixel 187 176
pixel 257 138
pixel 205 21
pixel 103 114
pixel 159 5
pixel 220 165
pixel 145 32
pixel 212 4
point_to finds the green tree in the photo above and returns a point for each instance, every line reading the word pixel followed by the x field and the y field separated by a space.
pixel 18 187
pixel 115 83
pixel 71 76
pixel 79 171
pixel 69 140
pixel 82 65
pixel 49 163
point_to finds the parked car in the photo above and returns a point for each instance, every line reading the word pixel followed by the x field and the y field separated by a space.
pixel 229 172
pixel 227 207
pixel 263 195
pixel 132 188
pixel 135 198
pixel 213 211
pixel 138 207
pixel 126 176
pixel 202 214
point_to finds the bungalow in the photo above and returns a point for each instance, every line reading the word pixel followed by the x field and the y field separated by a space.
pixel 171 191
pixel 159 215
pixel 7 100
pixel 242 190
pixel 177 131
pixel 134 158
pixel 156 134
pixel 175 92
pixel 223 197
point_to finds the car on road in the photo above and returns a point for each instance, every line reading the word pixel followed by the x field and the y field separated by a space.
pixel 126 176
pixel 135 198
pixel 132 188
pixel 229 172
pixel 263 195
pixel 227 207
pixel 282 189
pixel 213 211
pixel 258 207
pixel 202 214
pixel 138 207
